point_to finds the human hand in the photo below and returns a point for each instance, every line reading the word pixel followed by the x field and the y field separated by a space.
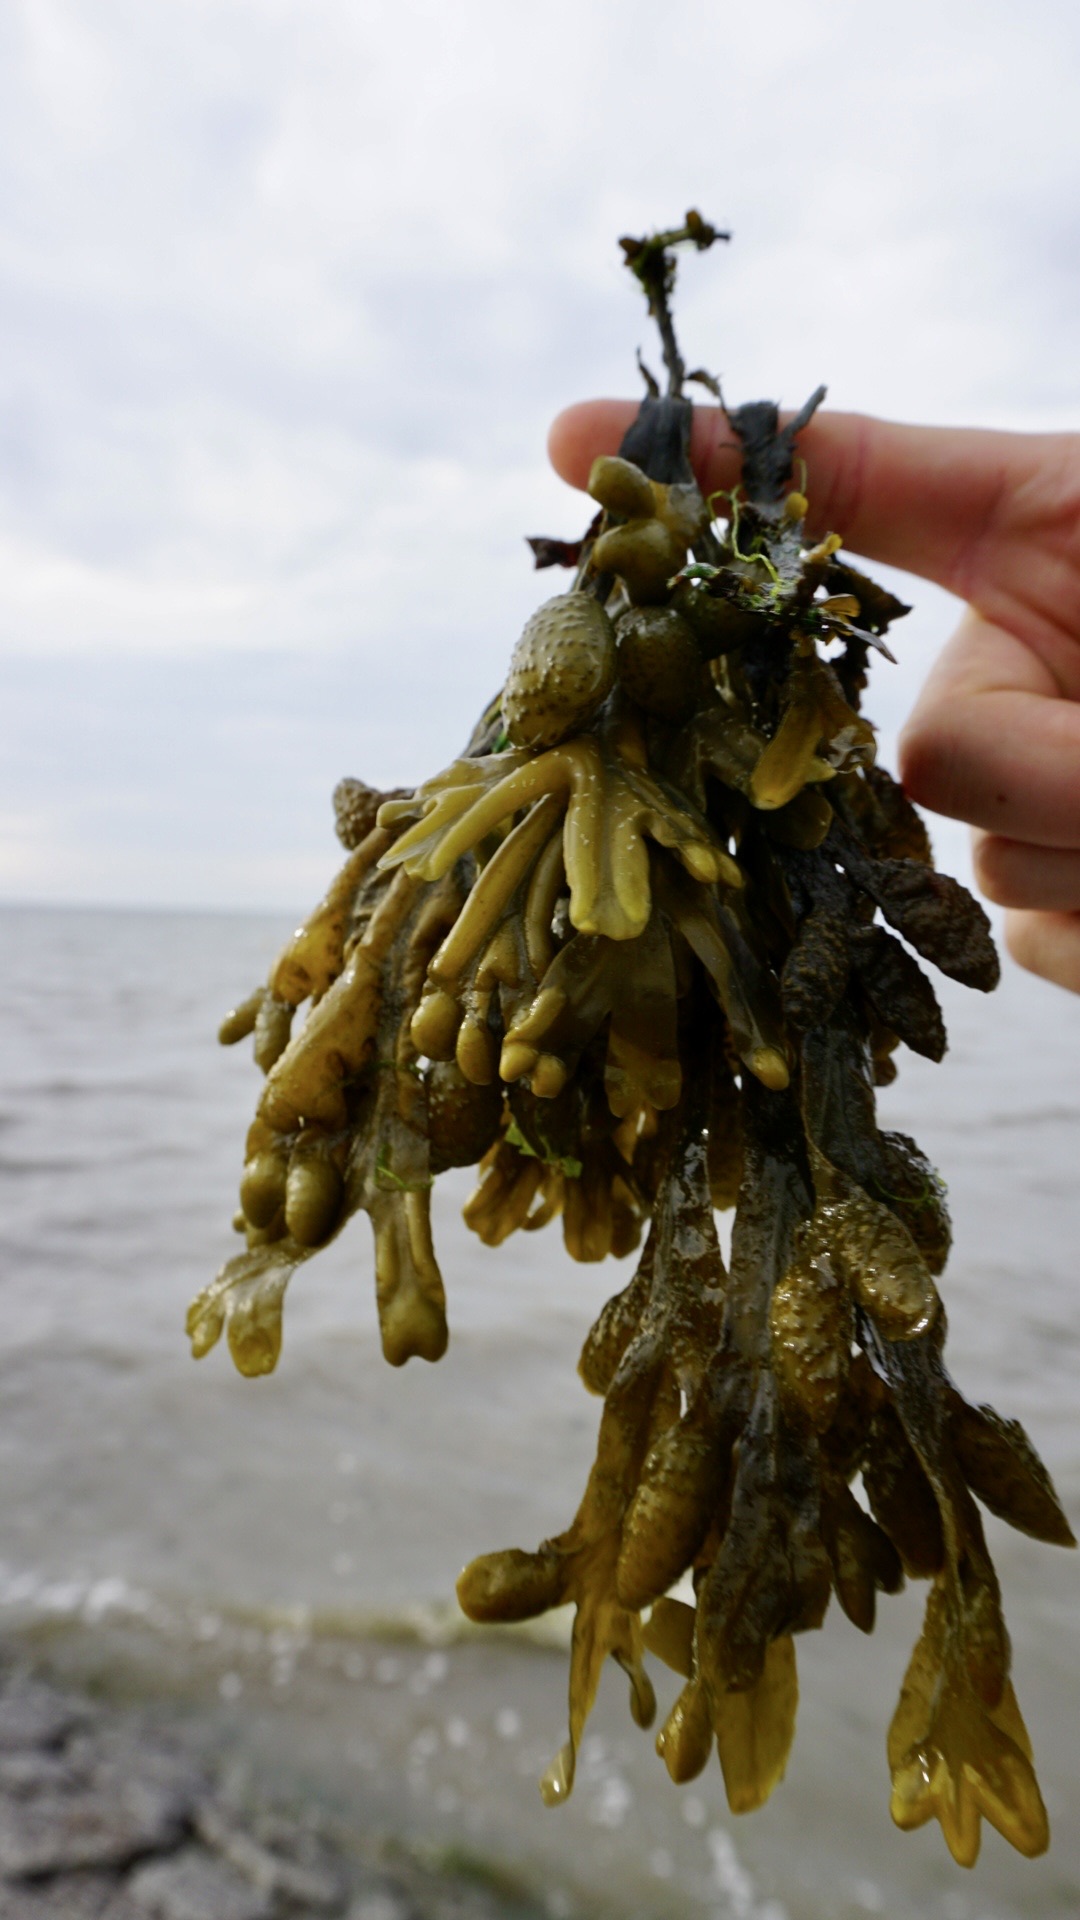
pixel 995 735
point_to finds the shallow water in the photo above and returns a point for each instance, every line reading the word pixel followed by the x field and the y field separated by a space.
pixel 247 1543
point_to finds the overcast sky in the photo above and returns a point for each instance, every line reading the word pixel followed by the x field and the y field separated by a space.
pixel 290 291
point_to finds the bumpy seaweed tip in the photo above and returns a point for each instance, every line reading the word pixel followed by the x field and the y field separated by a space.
pixel 644 952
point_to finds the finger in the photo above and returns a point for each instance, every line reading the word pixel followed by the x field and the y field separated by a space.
pixel 992 742
pixel 1047 944
pixel 1014 874
pixel 921 498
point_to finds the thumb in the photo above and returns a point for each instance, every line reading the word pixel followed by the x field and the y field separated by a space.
pixel 920 498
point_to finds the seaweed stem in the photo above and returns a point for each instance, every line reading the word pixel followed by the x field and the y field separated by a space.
pixel 652 262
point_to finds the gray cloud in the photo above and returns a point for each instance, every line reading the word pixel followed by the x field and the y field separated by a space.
pixel 289 294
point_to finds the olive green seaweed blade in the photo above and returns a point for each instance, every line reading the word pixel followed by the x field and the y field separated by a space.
pixel 643 952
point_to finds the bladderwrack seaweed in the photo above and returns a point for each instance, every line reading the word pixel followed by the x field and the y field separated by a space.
pixel 644 951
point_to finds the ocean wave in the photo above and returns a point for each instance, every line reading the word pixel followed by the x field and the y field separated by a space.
pixel 29 1598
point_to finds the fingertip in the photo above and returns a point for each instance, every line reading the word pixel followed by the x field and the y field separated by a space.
pixel 589 428
pixel 924 755
pixel 582 432
pixel 1047 944
pixel 1023 874
pixel 990 858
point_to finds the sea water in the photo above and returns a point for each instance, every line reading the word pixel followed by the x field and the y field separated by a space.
pixel 282 1552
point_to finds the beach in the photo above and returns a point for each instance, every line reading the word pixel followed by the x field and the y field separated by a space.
pixel 273 1561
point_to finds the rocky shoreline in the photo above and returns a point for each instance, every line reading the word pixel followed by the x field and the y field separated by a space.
pixel 108 1813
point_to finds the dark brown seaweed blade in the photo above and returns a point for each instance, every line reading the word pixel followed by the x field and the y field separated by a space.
pixel 624 952
pixel 1004 1471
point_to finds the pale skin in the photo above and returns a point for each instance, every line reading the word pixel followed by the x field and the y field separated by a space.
pixel 994 738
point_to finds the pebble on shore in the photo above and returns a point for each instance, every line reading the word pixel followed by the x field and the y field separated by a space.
pixel 104 1817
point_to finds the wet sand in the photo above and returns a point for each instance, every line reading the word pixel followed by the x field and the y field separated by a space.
pixel 273 1561
pixel 434 1742
pixel 123 1809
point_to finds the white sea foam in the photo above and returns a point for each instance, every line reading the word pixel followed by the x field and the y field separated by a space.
pixel 140 1488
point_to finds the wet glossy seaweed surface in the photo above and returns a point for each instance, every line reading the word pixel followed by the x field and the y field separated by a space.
pixel 636 953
